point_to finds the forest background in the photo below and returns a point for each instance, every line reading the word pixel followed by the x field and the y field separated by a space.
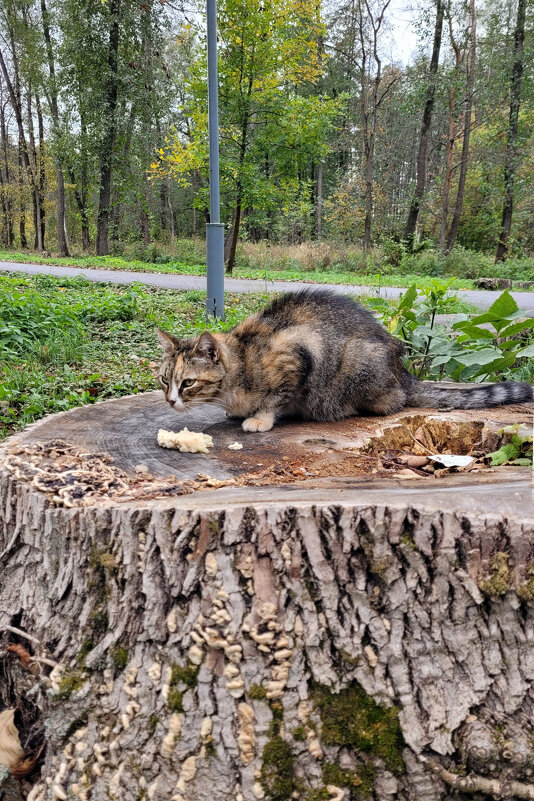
pixel 335 146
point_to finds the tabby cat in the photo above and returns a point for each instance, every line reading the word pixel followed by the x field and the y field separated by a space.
pixel 313 354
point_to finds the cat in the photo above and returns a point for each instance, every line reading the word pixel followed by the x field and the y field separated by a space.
pixel 313 354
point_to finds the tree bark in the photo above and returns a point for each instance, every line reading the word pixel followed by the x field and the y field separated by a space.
pixel 513 127
pixel 464 163
pixel 415 206
pixel 210 652
pixel 106 154
pixel 268 643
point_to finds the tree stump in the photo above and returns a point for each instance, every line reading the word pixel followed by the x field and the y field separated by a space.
pixel 293 626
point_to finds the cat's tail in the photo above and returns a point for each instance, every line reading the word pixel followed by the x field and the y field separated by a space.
pixel 435 395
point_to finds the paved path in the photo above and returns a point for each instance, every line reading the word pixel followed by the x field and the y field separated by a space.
pixel 478 297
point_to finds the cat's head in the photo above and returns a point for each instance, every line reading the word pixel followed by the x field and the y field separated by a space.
pixel 191 370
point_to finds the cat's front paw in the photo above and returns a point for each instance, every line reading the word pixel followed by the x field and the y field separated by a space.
pixel 262 421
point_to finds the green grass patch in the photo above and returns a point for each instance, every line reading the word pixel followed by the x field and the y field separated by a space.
pixel 69 342
pixel 390 264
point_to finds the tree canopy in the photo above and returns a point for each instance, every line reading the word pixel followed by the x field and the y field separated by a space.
pixel 325 131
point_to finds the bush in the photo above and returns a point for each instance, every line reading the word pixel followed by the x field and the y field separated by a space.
pixel 393 252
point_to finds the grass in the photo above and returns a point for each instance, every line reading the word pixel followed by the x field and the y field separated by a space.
pixel 329 276
pixel 67 342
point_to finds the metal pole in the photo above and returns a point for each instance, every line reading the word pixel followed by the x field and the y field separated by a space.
pixel 214 229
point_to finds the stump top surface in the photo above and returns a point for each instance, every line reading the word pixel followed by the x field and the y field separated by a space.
pixel 322 460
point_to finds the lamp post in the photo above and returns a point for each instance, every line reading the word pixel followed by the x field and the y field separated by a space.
pixel 214 229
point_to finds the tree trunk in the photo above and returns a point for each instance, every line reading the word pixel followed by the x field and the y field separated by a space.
pixel 447 177
pixel 450 139
pixel 319 202
pixel 22 205
pixel 413 214
pixel 144 222
pixel 513 127
pixel 293 642
pixel 470 86
pixel 34 173
pixel 331 640
pixel 106 154
pixel 233 235
pixel 14 94
pixel 7 204
pixel 54 110
pixel 41 172
pixel 171 210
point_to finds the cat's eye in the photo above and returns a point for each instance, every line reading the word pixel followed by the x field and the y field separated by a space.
pixel 188 382
pixel 164 381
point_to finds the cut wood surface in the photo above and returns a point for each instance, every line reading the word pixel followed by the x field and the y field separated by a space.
pixel 335 636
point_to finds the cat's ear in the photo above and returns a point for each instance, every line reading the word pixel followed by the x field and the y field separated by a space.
pixel 208 347
pixel 167 341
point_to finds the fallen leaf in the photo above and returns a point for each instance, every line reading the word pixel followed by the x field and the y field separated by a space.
pixel 11 752
pixel 406 473
pixel 411 460
pixel 21 652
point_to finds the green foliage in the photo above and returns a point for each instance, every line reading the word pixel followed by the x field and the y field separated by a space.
pixel 109 356
pixel 517 448
pixel 269 130
pixel 353 719
pixel 496 344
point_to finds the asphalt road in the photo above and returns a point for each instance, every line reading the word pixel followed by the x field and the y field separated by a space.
pixel 482 299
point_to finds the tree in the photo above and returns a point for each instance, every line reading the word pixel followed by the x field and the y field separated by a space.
pixel 109 122
pixel 372 94
pixel 413 214
pixel 512 154
pixel 267 51
pixel 54 111
pixel 467 125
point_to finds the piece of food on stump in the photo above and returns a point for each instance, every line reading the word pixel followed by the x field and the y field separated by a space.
pixel 185 441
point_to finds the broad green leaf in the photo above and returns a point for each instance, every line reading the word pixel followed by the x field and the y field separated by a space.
pixel 473 331
pixel 504 305
pixel 481 357
pixel 527 352
pixel 506 452
pixel 514 328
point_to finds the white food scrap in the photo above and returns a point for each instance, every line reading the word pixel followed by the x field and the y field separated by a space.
pixel 235 446
pixel 185 441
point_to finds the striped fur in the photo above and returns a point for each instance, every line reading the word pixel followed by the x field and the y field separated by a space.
pixel 313 354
